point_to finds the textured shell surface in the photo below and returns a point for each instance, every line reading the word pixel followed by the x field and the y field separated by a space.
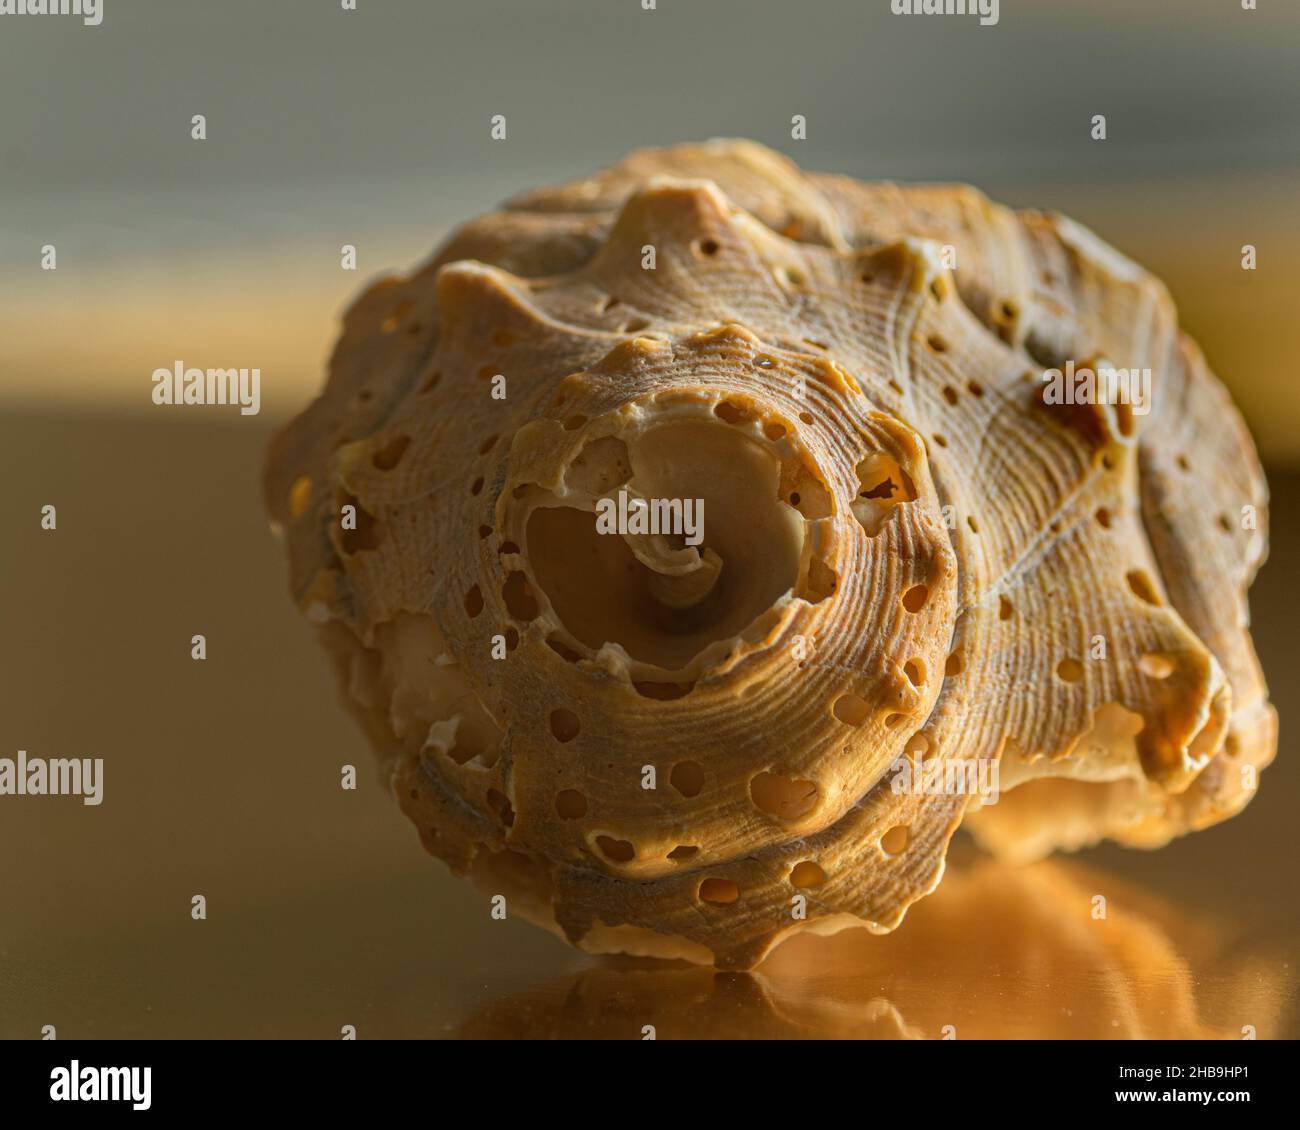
pixel 917 566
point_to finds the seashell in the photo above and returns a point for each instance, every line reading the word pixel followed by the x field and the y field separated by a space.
pixel 913 554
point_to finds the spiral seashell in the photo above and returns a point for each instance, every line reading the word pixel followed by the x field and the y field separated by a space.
pixel 912 555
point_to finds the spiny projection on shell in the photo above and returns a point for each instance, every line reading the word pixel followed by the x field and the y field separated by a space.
pixel 909 552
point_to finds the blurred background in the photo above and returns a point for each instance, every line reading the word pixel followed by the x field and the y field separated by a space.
pixel 328 127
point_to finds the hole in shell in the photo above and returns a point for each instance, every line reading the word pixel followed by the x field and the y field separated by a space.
pixel 471 745
pixel 518 597
pixel 807 874
pixel 852 709
pixel 731 412
pixel 800 486
pixel 600 466
pixel 894 841
pixel 706 247
pixel 687 778
pixel 783 797
pixel 917 746
pixel 821 582
pixel 570 805
pixel 617 851
pixel 564 725
pixel 719 892
pixel 1004 608
pixel 1142 586
pixel 915 597
pixel 914 669
pixel 1103 517
pixel 474 601
pixel 683 852
pixel 1069 671
pixel 883 484
pixel 955 664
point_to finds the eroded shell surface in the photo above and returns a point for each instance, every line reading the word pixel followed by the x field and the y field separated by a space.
pixel 910 555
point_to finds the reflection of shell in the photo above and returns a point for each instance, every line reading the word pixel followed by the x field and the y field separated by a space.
pixel 998 952
pixel 905 548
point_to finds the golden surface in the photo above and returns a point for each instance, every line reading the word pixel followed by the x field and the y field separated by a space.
pixel 222 779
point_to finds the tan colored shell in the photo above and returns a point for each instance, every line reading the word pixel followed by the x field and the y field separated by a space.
pixel 909 553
